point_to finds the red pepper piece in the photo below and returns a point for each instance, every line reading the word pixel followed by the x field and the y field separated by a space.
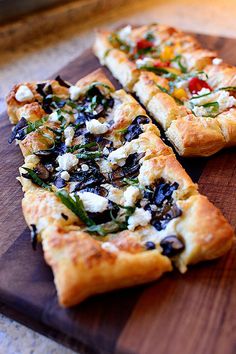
pixel 161 64
pixel 195 85
pixel 144 44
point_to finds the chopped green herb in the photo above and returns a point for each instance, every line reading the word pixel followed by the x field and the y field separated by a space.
pixel 75 205
pixel 150 36
pixel 32 126
pixel 179 60
pixel 212 108
pixel 159 71
pixel 89 155
pixel 81 146
pixel 163 89
pixel 227 88
pixel 98 83
pixel 35 179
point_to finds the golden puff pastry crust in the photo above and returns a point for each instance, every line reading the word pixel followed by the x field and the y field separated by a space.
pixel 89 256
pixel 83 266
pixel 196 136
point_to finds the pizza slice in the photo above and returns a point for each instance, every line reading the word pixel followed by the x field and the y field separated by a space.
pixel 188 90
pixel 107 198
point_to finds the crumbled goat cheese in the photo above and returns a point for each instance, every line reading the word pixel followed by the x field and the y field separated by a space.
pixel 115 195
pixel 110 247
pixel 119 155
pixel 223 98
pixel 144 62
pixel 105 151
pixel 75 92
pixel 217 61
pixel 140 217
pixel 65 175
pixel 95 127
pixel 69 135
pixel 53 117
pixel 124 33
pixel 24 94
pixel 84 167
pixel 93 202
pixel 67 161
pixel 131 195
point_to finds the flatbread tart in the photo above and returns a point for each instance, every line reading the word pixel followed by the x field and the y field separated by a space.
pixel 106 197
pixel 187 89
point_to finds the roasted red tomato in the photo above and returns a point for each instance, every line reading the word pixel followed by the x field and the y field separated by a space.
pixel 195 85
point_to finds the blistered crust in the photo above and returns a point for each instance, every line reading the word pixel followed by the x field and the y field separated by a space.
pixel 196 136
pixel 83 268
pixel 206 232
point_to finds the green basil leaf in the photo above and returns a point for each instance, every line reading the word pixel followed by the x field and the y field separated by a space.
pixel 81 146
pixel 227 88
pixel 163 89
pixel 76 206
pixel 179 59
pixel 159 71
pixel 89 155
pixel 32 126
pixel 35 178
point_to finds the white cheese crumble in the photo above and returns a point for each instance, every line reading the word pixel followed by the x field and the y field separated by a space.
pixel 115 195
pixel 24 94
pixel 95 127
pixel 144 62
pixel 223 98
pixel 110 247
pixel 84 167
pixel 69 135
pixel 119 155
pixel 65 175
pixel 140 217
pixel 105 151
pixel 67 161
pixel 217 61
pixel 131 195
pixel 75 92
pixel 53 117
pixel 93 202
pixel 125 32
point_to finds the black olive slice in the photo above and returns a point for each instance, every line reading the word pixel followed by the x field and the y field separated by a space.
pixel 62 82
pixel 33 236
pixel 150 245
pixel 42 172
pixel 171 246
pixel 19 131
pixel 134 130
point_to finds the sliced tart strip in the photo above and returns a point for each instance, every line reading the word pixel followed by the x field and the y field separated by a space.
pixel 178 82
pixel 107 197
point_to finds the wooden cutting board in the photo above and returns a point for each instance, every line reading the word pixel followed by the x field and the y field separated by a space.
pixel 187 314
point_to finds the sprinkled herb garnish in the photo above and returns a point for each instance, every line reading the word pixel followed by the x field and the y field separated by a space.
pixel 115 40
pixel 163 89
pixel 159 71
pixel 75 205
pixel 179 60
pixel 81 146
pixel 89 155
pixel 227 88
pixel 212 109
pixel 32 126
pixel 31 174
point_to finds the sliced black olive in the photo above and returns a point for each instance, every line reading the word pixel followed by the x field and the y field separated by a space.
pixel 129 170
pixel 134 130
pixel 59 182
pixel 88 178
pixel 62 82
pixel 40 89
pixel 171 246
pixel 33 236
pixel 150 245
pixel 164 191
pixel 19 132
pixel 42 171
pixel 103 192
pixel 64 216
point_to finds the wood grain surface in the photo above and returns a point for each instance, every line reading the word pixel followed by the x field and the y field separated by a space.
pixel 193 313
